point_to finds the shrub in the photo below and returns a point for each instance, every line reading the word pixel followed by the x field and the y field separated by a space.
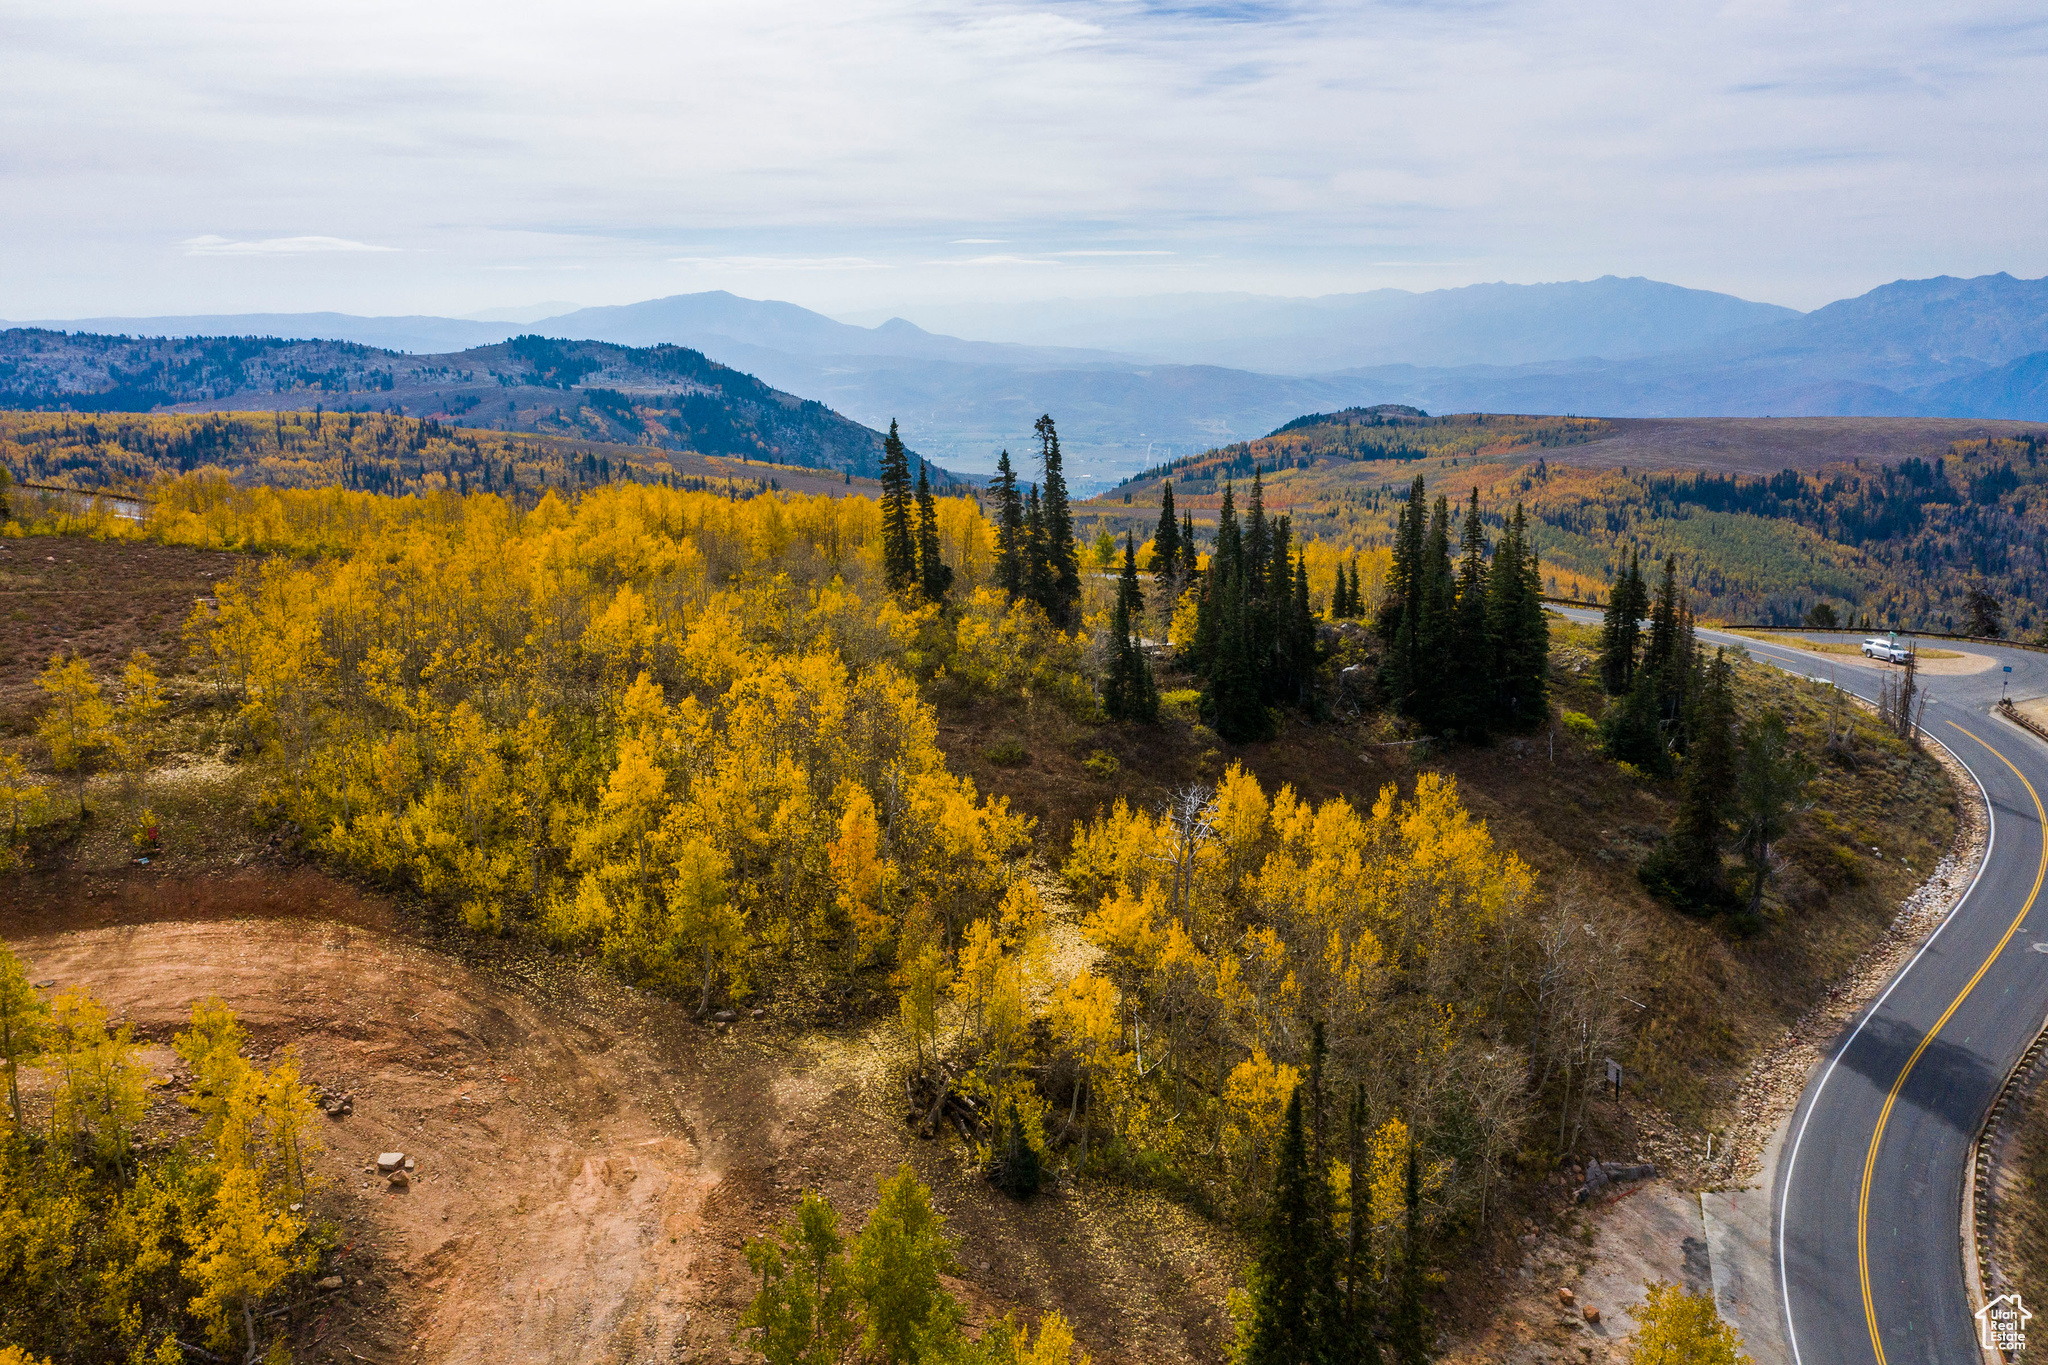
pixel 1581 724
pixel 1009 753
pixel 1102 765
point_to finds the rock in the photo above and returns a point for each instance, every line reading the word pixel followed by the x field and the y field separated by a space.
pixel 410 1164
pixel 1592 1314
pixel 399 1180
pixel 387 1162
pixel 328 1285
pixel 723 1016
pixel 760 1013
pixel 1566 1298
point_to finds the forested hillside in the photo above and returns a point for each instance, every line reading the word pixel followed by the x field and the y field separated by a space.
pixel 725 749
pixel 370 452
pixel 1903 544
pixel 666 397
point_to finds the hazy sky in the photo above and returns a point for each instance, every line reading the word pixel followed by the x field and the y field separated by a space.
pixel 379 157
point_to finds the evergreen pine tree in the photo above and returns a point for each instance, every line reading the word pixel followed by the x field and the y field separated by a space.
pixel 1410 1324
pixel 1010 536
pixel 1436 596
pixel 899 545
pixel 1166 540
pixel 1472 652
pixel 1283 1328
pixel 935 576
pixel 1038 572
pixel 1519 629
pixel 1223 566
pixel 1127 689
pixel 1400 605
pixel 1663 645
pixel 1685 869
pixel 1304 654
pixel 1062 558
pixel 1232 699
pixel 1190 555
pixel 1359 1344
pixel 1258 542
pixel 1621 627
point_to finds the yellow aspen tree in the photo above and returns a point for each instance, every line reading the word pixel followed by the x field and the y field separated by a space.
pixel 24 1026
pixel 24 803
pixel 142 706
pixel 1674 1327
pixel 862 876
pixel 243 1252
pixel 103 1088
pixel 77 723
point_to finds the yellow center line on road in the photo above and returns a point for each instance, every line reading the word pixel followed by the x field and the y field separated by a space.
pixel 1884 1114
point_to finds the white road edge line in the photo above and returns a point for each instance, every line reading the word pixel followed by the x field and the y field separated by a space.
pixel 1792 1158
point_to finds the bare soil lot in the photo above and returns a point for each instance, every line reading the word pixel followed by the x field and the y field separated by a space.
pixel 590 1160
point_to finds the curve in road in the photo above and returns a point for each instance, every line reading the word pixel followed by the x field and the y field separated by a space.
pixel 1868 1218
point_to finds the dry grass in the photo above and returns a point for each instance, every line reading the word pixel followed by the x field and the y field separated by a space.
pixel 101 599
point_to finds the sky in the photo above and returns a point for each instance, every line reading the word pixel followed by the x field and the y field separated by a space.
pixel 446 157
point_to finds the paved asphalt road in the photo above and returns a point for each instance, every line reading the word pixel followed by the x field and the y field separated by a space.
pixel 1871 1180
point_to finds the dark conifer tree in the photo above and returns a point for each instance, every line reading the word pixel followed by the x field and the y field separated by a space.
pixel 899 543
pixel 1472 675
pixel 1190 554
pixel 1010 534
pixel 1166 540
pixel 1410 1324
pixel 1302 654
pixel 1258 542
pixel 1127 689
pixel 1519 629
pixel 1283 1329
pixel 1038 571
pixel 1621 627
pixel 934 575
pixel 1436 594
pixel 1223 568
pixel 1360 1343
pixel 1063 560
pixel 1685 869
pixel 1400 606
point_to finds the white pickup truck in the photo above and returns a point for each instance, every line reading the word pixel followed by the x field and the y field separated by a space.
pixel 1887 651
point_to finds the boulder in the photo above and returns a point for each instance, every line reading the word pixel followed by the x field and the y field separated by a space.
pixel 723 1016
pixel 387 1162
pixel 328 1285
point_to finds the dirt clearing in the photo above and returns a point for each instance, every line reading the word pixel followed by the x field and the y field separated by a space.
pixel 590 1160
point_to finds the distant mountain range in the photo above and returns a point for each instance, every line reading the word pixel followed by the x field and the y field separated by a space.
pixel 1134 381
pixel 669 397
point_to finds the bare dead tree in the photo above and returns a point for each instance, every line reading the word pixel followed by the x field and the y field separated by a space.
pixel 1191 812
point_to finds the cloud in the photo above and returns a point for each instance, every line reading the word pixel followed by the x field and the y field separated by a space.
pixel 782 262
pixel 211 245
pixel 1115 253
pixel 1275 145
pixel 993 260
